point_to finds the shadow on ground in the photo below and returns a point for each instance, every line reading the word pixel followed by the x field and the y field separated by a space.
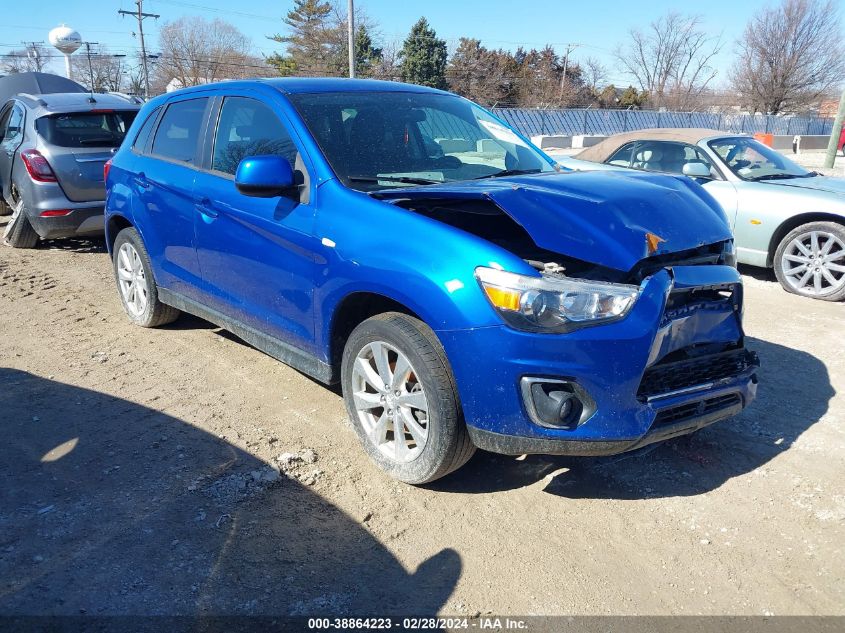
pixel 109 507
pixel 689 465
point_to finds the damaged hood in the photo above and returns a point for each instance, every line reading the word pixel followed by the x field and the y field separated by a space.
pixel 598 217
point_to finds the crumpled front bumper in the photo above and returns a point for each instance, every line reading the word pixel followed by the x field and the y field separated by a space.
pixel 609 362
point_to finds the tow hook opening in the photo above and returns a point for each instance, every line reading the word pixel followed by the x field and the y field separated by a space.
pixel 555 403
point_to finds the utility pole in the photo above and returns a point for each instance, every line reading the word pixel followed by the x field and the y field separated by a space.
pixel 140 15
pixel 90 68
pixel 835 132
pixel 33 52
pixel 350 36
pixel 569 49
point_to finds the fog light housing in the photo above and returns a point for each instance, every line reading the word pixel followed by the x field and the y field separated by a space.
pixel 556 404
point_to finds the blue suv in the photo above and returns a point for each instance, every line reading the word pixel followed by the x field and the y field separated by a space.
pixel 406 243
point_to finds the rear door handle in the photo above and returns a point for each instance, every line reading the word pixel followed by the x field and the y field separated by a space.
pixel 204 206
pixel 141 181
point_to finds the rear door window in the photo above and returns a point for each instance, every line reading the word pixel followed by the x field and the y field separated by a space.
pixel 178 134
pixel 85 129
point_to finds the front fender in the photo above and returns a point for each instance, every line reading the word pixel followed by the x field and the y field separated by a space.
pixel 427 266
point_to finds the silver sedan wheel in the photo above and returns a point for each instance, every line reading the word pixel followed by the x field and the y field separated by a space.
pixel 814 263
pixel 132 280
pixel 390 402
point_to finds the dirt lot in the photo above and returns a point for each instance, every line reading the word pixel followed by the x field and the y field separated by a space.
pixel 135 478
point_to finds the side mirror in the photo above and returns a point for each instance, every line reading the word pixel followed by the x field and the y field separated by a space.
pixel 265 177
pixel 696 170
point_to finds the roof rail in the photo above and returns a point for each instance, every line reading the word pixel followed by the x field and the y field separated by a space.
pixel 129 98
pixel 34 98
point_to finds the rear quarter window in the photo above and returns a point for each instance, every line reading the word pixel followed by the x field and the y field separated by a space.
pixel 143 136
pixel 85 129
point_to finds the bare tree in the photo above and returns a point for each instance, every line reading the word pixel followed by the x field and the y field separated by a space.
pixel 790 55
pixel 594 74
pixel 106 70
pixel 671 60
pixel 32 58
pixel 196 51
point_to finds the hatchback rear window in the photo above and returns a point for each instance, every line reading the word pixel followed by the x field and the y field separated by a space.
pixel 85 129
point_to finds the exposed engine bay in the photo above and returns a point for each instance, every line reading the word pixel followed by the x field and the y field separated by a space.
pixel 483 218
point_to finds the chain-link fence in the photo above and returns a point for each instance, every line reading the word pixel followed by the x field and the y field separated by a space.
pixel 532 122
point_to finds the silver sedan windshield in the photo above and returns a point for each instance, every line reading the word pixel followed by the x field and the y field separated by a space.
pixel 751 160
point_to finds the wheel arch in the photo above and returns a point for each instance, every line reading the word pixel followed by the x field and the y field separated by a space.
pixel 114 225
pixel 355 308
pixel 794 222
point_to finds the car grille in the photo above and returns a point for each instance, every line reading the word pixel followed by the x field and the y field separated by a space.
pixel 668 377
pixel 695 409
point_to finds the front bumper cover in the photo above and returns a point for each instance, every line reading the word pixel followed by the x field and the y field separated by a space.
pixel 608 362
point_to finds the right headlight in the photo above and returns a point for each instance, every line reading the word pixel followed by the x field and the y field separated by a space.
pixel 554 304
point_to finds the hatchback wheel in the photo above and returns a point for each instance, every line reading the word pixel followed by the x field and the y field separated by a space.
pixel 19 232
pixel 401 398
pixel 136 284
pixel 810 261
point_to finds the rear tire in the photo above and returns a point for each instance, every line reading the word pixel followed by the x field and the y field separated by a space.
pixel 421 398
pixel 5 209
pixel 136 285
pixel 810 261
pixel 19 232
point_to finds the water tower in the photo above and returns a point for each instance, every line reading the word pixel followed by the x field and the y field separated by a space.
pixel 67 41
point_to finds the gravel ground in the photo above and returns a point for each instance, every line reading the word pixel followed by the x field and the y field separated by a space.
pixel 179 471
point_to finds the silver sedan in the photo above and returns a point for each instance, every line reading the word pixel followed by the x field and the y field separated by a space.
pixel 782 215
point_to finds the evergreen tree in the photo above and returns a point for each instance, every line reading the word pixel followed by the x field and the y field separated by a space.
pixel 423 57
pixel 311 46
pixel 366 55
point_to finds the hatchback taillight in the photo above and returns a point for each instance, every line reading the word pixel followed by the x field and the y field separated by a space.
pixel 106 169
pixel 37 166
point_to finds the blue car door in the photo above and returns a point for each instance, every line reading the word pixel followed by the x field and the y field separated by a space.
pixel 256 254
pixel 163 182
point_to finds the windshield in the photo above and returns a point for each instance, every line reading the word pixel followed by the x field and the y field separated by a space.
pixel 85 129
pixel 751 160
pixel 375 140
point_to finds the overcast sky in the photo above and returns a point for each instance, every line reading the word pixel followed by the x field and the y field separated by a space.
pixel 595 26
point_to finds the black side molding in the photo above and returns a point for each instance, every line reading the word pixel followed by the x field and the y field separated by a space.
pixel 288 354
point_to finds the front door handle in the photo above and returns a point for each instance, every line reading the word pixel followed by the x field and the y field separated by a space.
pixel 204 206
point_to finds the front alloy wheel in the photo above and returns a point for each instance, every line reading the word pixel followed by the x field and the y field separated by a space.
pixel 390 402
pixel 810 261
pixel 402 400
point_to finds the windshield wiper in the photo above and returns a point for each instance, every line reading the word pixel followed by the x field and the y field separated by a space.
pixel 509 172
pixel 784 176
pixel 404 179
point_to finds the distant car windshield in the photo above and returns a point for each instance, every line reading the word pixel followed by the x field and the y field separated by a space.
pixel 751 160
pixel 375 140
pixel 85 129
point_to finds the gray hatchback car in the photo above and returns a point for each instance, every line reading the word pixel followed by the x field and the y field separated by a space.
pixel 53 148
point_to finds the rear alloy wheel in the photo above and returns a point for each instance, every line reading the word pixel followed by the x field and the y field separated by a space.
pixel 810 261
pixel 135 282
pixel 402 400
pixel 19 232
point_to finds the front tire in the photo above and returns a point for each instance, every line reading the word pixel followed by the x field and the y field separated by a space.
pixel 5 209
pixel 19 232
pixel 810 261
pixel 136 285
pixel 402 400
